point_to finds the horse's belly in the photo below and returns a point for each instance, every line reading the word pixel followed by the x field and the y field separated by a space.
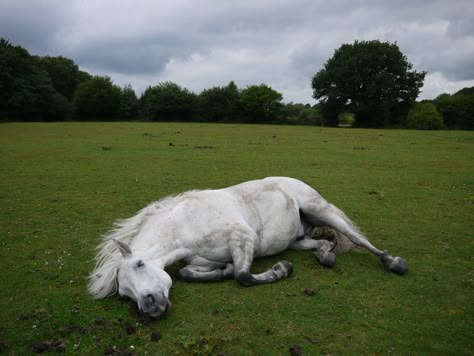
pixel 276 241
pixel 279 222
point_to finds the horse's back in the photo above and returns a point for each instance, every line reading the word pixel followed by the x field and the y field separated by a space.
pixel 297 189
pixel 267 209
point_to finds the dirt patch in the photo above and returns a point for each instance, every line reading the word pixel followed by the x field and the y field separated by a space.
pixel 48 346
pixel 310 291
pixel 295 350
pixel 205 147
pixel 33 315
pixel 155 336
pixel 130 329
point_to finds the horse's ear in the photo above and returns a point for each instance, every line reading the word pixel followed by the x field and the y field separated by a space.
pixel 123 248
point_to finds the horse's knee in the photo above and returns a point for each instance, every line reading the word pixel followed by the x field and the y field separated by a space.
pixel 185 274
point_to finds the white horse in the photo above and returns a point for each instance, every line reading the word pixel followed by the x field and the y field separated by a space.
pixel 218 233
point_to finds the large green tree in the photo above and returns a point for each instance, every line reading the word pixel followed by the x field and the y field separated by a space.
pixel 372 79
pixel 97 99
pixel 26 91
pixel 64 73
pixel 260 103
pixel 168 101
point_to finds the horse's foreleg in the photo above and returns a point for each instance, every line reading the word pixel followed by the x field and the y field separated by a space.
pixel 322 250
pixel 323 213
pixel 242 247
pixel 278 271
pixel 192 273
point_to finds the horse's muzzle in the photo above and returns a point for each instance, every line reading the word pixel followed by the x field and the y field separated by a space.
pixel 154 305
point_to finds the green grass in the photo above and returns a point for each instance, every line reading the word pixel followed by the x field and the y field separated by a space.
pixel 412 192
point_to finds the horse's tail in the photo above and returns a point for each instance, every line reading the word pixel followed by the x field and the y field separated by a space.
pixel 103 280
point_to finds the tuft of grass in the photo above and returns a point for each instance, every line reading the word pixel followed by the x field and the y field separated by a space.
pixel 63 185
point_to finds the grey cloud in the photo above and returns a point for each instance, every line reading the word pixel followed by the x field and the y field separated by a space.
pixel 131 57
pixel 462 27
pixel 279 42
pixel 32 24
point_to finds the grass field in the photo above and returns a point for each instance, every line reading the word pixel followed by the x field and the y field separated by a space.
pixel 412 192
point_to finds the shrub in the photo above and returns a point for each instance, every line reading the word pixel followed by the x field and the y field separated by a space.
pixel 424 116
pixel 457 109
pixel 346 119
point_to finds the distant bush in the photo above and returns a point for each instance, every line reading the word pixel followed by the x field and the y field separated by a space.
pixel 300 114
pixel 457 109
pixel 424 116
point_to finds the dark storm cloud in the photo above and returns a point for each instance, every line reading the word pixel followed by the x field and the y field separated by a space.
pixel 25 23
pixel 199 44
pixel 132 57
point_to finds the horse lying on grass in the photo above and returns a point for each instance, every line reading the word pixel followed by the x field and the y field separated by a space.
pixel 218 233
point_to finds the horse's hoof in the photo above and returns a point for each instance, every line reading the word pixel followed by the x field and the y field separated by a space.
pixel 396 265
pixel 285 267
pixel 326 258
pixel 246 279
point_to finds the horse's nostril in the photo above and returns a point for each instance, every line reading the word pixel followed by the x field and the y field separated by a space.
pixel 150 298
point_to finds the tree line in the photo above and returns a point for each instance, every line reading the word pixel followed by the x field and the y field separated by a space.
pixel 35 88
pixel 366 84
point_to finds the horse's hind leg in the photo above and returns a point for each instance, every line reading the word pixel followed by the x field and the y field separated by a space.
pixel 322 249
pixel 321 213
pixel 242 247
pixel 193 273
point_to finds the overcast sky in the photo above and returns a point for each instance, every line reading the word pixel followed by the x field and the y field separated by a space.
pixel 203 43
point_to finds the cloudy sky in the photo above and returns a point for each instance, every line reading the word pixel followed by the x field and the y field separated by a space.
pixel 203 43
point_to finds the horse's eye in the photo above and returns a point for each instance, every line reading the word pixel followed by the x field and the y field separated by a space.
pixel 140 263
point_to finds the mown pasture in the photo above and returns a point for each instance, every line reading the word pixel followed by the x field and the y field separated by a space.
pixel 412 192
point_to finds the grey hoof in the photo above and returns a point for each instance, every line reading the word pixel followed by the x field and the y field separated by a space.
pixel 396 265
pixel 326 258
pixel 284 268
pixel 246 280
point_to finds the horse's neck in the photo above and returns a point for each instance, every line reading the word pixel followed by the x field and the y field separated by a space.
pixel 159 238
pixel 161 259
pixel 159 246
pixel 173 257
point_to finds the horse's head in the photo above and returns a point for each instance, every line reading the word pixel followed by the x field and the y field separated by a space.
pixel 144 282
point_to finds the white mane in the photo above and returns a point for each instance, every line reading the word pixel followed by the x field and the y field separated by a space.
pixel 103 280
